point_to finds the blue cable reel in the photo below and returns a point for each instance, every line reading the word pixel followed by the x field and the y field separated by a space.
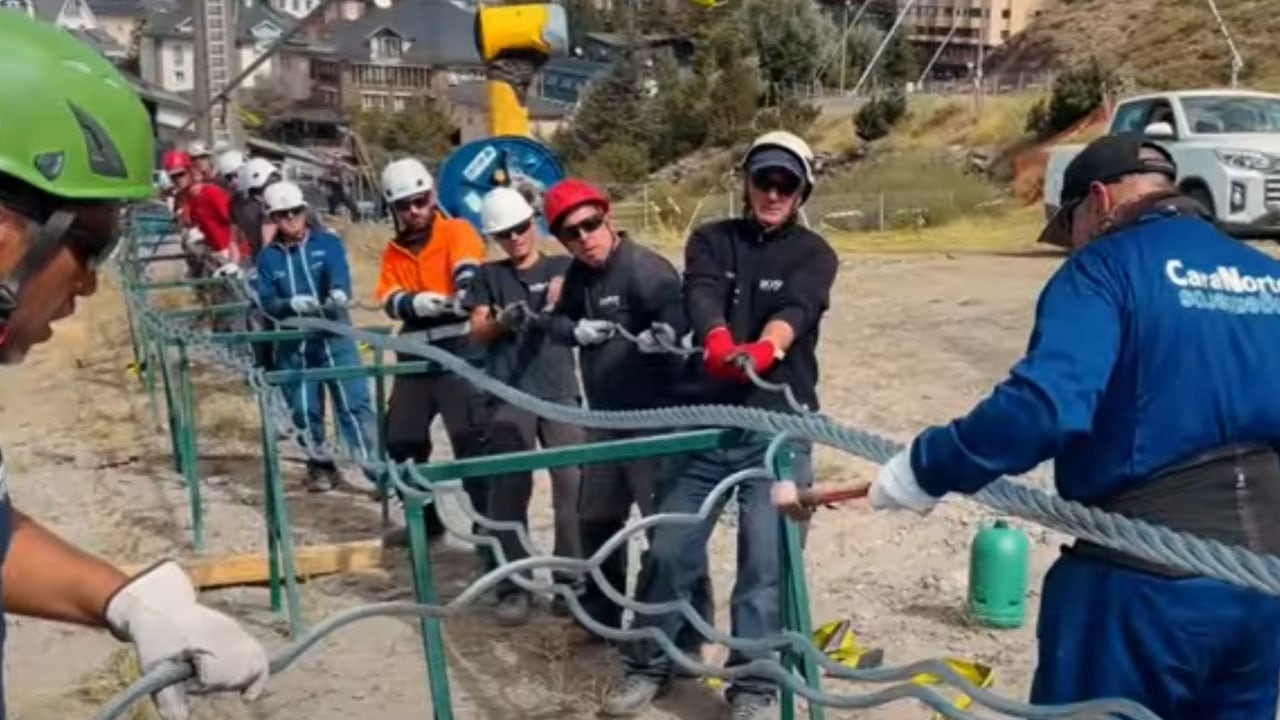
pixel 481 165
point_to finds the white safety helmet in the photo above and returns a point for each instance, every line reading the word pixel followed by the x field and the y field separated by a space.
pixel 197 148
pixel 502 209
pixel 255 173
pixel 405 178
pixel 283 195
pixel 229 162
pixel 789 142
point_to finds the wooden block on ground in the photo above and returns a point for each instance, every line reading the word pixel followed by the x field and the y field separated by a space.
pixel 253 568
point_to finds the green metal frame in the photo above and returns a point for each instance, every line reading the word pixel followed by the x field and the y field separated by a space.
pixel 796 615
pixel 157 352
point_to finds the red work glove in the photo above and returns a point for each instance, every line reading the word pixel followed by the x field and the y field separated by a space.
pixel 716 349
pixel 762 355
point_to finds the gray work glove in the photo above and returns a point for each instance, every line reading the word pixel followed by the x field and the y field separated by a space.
pixel 513 316
pixel 592 332
pixel 659 338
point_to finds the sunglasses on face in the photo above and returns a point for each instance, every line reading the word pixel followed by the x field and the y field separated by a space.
pixel 784 184
pixel 512 232
pixel 417 202
pixel 570 233
pixel 286 214
pixel 177 175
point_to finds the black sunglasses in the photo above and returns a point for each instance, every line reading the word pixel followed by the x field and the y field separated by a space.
pixel 785 184
pixel 417 202
pixel 571 233
pixel 511 232
pixel 287 213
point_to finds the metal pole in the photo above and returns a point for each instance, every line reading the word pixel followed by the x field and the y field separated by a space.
pixel 1237 62
pixel 844 42
pixel 906 7
pixel 955 23
pixel 203 111
pixel 203 103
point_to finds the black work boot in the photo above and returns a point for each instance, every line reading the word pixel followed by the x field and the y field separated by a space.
pixel 319 478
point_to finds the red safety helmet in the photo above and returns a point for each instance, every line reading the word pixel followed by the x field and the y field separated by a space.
pixel 176 160
pixel 567 195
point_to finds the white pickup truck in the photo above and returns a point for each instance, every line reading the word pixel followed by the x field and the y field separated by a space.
pixel 1226 144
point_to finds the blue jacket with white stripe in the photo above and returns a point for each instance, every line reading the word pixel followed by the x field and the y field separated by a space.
pixel 316 266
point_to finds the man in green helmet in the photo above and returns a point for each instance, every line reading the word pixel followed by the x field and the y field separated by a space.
pixel 77 147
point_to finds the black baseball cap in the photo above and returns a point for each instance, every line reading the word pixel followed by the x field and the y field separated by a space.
pixel 1104 160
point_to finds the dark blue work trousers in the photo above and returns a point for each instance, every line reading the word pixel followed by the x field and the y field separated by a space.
pixel 678 557
pixel 1187 649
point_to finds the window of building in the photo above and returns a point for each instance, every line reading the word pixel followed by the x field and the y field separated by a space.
pixel 387 46
pixel 1006 14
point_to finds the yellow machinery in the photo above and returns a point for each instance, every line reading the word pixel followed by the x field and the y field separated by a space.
pixel 515 41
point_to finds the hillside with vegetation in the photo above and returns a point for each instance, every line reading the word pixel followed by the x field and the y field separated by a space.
pixel 1155 44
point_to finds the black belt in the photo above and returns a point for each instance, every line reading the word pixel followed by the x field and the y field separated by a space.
pixel 1228 494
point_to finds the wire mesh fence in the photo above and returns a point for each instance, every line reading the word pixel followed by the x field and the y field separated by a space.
pixel 650 210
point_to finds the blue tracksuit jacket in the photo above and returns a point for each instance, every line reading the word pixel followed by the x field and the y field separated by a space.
pixel 1152 344
pixel 317 266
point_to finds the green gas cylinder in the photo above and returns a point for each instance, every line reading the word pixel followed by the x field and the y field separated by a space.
pixel 998 568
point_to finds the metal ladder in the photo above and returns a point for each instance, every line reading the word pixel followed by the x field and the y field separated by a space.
pixel 220 30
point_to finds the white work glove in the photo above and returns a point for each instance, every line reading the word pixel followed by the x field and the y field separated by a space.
pixel 304 304
pixel 229 270
pixel 220 256
pixel 157 611
pixel 592 332
pixel 429 304
pixel 895 488
pixel 192 240
pixel 657 339
pixel 338 297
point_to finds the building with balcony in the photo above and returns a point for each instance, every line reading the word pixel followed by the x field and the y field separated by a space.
pixel 959 32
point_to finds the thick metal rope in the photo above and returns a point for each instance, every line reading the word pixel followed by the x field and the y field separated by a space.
pixel 224 355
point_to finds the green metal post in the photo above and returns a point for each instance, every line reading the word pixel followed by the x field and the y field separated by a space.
pixel 796 606
pixel 171 404
pixel 425 588
pixel 191 470
pixel 380 420
pixel 269 472
pixel 278 520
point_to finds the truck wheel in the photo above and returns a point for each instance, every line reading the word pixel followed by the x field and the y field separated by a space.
pixel 1201 195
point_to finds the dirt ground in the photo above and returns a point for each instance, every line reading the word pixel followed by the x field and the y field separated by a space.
pixel 911 340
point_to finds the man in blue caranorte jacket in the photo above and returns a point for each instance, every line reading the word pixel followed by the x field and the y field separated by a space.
pixel 1151 381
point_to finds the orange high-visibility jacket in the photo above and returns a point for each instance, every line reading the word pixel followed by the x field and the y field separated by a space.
pixel 454 247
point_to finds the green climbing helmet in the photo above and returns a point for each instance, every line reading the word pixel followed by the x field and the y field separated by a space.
pixel 72 125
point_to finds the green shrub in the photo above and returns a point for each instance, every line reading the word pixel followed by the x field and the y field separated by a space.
pixel 877 118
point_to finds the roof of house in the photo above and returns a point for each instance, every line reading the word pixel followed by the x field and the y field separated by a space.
pixel 168 19
pixel 120 8
pixel 472 93
pixel 575 66
pixel 100 41
pixel 440 33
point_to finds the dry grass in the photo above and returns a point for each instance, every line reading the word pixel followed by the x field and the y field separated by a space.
pixel 935 121
pixel 115 674
pixel 1012 232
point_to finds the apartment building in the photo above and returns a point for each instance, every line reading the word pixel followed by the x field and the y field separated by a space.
pixel 965 29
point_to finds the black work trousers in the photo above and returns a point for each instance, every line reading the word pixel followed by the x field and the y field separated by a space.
pixel 512 429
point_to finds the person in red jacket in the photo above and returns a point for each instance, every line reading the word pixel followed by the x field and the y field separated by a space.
pixel 207 210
